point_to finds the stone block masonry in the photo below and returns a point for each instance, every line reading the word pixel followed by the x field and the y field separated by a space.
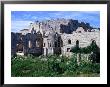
pixel 53 37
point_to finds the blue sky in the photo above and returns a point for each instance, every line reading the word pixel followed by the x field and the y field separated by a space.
pixel 22 19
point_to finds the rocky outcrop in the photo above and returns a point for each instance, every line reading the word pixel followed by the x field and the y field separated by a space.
pixel 60 25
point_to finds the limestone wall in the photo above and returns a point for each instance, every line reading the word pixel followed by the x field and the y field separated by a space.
pixel 84 39
pixel 72 31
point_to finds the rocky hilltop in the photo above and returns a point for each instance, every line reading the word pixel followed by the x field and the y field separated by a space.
pixel 61 25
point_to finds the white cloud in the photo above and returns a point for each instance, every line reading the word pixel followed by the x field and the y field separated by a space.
pixel 34 17
pixel 27 16
pixel 16 26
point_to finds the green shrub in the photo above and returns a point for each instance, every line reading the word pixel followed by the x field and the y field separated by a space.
pixel 92 48
pixel 72 65
pixel 30 66
pixel 89 67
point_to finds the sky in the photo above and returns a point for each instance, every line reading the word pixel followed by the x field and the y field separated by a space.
pixel 21 19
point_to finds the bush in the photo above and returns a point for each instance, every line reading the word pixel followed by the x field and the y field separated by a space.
pixel 92 48
pixel 56 64
pixel 89 67
pixel 72 65
pixel 30 66
pixel 75 49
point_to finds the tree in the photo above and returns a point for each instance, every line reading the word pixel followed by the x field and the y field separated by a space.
pixel 93 49
pixel 77 50
pixel 95 52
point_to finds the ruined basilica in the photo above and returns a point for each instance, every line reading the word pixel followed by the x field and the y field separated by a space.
pixel 53 37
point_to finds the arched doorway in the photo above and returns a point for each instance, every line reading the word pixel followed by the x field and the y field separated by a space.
pixel 20 47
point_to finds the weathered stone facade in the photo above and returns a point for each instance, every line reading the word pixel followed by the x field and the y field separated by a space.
pixel 31 43
pixel 53 37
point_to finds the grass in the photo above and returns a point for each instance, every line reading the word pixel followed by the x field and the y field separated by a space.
pixel 52 66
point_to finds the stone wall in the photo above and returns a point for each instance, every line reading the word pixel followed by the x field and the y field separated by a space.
pixel 54 37
pixel 84 38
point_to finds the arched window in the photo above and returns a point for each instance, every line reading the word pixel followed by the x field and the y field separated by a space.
pixel 29 44
pixel 77 43
pixel 37 45
pixel 21 38
pixel 69 41
pixel 93 42
pixel 68 49
pixel 48 44
pixel 32 31
pixel 55 44
pixel 79 31
pixel 44 44
pixel 19 47
pixel 59 41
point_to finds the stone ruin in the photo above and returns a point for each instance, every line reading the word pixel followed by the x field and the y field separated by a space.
pixel 53 37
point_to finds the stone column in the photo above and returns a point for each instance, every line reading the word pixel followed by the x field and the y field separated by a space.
pixel 78 58
pixel 45 51
pixel 52 51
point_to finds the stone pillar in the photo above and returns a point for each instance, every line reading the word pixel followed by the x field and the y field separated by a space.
pixel 78 58
pixel 52 51
pixel 45 51
pixel 87 56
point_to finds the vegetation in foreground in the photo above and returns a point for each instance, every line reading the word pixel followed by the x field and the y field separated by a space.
pixel 52 66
